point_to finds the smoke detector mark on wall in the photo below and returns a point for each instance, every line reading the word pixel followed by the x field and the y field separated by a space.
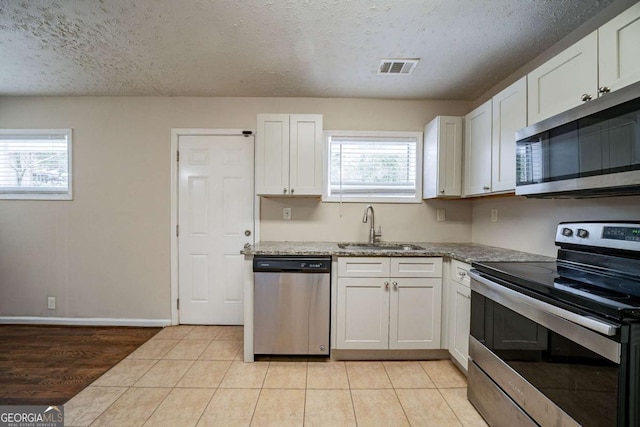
pixel 398 66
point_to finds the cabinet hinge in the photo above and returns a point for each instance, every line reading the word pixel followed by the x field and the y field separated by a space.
pixel 177 231
pixel 178 303
pixel 177 156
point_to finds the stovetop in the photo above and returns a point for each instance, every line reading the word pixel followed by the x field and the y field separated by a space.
pixel 582 290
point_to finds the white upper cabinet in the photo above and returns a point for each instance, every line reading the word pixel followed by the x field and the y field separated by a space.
pixel 289 151
pixel 604 61
pixel 477 151
pixel 565 81
pixel 442 176
pixel 509 115
pixel 618 50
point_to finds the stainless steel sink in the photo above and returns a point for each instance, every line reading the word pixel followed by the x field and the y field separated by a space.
pixel 380 246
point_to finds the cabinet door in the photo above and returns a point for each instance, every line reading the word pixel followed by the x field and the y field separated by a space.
pixel 559 84
pixel 477 151
pixel 459 318
pixel 618 40
pixel 305 173
pixel 442 176
pixel 363 314
pixel 414 313
pixel 509 114
pixel 272 154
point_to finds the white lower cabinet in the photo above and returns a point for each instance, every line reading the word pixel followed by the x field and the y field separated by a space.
pixel 459 309
pixel 389 303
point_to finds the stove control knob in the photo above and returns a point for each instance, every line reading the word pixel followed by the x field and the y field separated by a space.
pixel 567 232
pixel 582 233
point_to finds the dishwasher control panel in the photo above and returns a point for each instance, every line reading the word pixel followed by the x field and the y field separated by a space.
pixel 292 264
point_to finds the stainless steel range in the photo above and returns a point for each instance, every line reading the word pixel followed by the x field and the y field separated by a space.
pixel 558 344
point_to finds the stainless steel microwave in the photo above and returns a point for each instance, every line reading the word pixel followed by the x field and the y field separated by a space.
pixel 592 150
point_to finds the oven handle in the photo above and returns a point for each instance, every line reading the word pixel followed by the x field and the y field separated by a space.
pixel 609 329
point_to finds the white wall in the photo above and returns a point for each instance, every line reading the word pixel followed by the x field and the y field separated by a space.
pixel 107 252
pixel 530 224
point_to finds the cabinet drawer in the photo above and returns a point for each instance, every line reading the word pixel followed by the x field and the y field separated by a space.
pixel 363 267
pixel 416 267
pixel 460 272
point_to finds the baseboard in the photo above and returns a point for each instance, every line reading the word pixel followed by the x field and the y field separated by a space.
pixel 82 321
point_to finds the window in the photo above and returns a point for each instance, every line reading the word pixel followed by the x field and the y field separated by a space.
pixel 35 164
pixel 373 167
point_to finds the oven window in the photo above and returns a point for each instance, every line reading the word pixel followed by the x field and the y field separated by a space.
pixel 582 383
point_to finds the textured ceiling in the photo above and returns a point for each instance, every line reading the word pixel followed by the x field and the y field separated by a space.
pixel 304 48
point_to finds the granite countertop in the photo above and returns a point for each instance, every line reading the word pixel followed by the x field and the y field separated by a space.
pixel 465 252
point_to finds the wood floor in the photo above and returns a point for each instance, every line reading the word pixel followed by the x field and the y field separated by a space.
pixel 48 365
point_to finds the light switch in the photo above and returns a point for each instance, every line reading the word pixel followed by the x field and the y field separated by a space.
pixel 440 215
pixel 494 215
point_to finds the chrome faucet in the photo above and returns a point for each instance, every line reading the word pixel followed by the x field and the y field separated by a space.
pixel 373 235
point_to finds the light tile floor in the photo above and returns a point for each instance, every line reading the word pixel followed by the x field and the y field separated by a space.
pixel 195 376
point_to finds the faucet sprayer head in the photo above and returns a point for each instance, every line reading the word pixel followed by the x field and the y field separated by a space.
pixel 366 213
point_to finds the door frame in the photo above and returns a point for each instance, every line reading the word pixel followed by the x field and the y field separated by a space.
pixel 175 135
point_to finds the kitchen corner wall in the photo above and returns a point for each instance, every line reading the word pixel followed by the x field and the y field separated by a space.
pixel 530 224
pixel 106 254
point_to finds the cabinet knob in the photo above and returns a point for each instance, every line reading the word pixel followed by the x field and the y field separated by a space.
pixel 586 97
pixel 604 89
pixel 395 285
pixel 442 191
pixel 461 273
pixel 486 188
pixel 284 190
pixel 386 285
pixel 292 191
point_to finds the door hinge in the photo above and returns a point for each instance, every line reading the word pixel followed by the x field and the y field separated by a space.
pixel 177 231
pixel 178 303
pixel 177 156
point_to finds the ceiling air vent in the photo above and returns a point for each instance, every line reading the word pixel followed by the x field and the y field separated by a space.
pixel 399 66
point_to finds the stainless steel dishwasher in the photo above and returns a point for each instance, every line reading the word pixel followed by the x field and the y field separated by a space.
pixel 292 305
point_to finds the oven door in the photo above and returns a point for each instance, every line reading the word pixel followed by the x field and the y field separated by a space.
pixel 549 361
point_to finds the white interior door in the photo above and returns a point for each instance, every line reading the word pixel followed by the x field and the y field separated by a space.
pixel 215 219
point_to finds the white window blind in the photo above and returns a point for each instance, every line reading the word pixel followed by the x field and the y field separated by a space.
pixel 35 164
pixel 381 167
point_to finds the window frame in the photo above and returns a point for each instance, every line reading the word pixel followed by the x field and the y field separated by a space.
pixel 326 197
pixel 44 195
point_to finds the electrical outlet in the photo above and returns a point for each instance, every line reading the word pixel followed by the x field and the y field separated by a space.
pixel 286 213
pixel 440 215
pixel 494 215
pixel 51 303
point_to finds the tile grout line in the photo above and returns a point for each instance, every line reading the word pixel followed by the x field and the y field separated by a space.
pixel 129 387
pixel 304 406
pixel 396 393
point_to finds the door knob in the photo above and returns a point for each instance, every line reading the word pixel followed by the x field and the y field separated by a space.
pixel 247 233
